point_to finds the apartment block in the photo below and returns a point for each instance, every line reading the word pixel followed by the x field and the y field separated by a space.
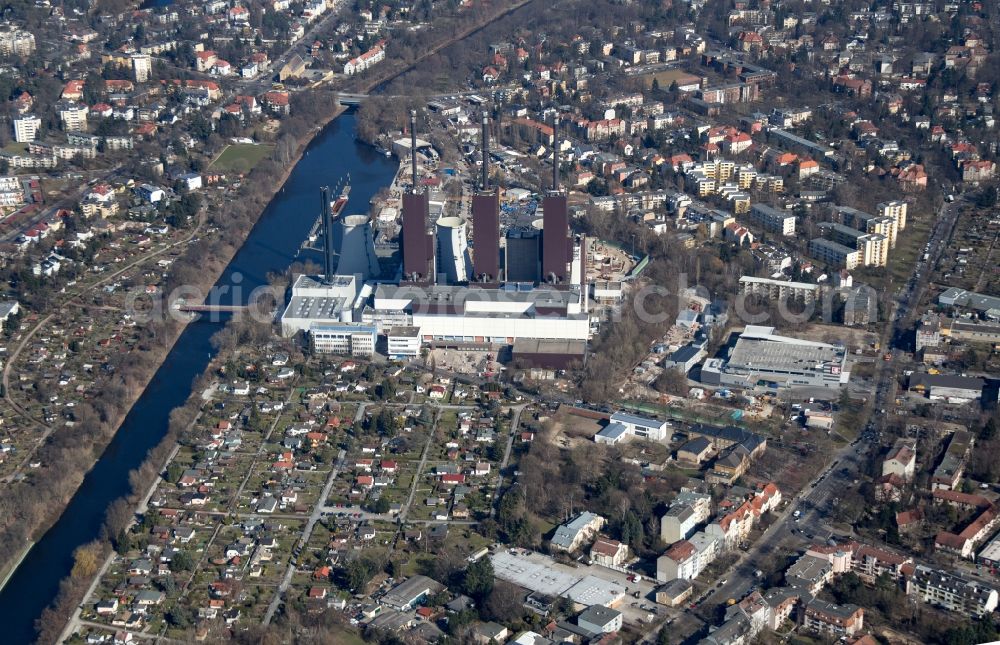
pixel 951 591
pixel 834 254
pixel 779 289
pixel 873 248
pixel 686 559
pixel 773 220
pixel 895 209
pixel 26 128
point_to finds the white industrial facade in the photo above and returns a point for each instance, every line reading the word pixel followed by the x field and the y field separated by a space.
pixel 500 316
pixel 452 261
pixel 403 342
pixel 344 338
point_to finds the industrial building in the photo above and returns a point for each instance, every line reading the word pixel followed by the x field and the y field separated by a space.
pixel 486 219
pixel 956 297
pixel 452 259
pixel 761 358
pixel 444 296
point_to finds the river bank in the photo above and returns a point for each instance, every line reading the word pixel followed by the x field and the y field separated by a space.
pixel 157 362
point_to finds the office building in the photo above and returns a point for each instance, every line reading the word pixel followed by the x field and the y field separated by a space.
pixel 403 342
pixel 642 427
pixel 26 128
pixel 342 338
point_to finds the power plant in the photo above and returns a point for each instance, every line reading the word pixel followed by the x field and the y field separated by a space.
pixel 452 251
pixel 417 243
pixel 357 248
pixel 486 220
pixel 538 295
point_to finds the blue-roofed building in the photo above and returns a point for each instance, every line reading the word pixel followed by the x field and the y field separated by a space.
pixel 642 427
pixel 572 535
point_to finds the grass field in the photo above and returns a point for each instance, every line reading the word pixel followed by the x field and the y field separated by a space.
pixel 240 157
pixel 16 148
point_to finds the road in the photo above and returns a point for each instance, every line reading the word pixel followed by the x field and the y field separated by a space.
pixel 515 421
pixel 304 539
pixel 815 501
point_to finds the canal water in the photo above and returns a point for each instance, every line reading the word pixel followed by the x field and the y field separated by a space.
pixel 271 247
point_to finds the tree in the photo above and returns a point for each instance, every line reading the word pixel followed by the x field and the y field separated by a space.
pixel 182 561
pixel 479 579
pixel 503 604
pixel 174 472
pixel 381 506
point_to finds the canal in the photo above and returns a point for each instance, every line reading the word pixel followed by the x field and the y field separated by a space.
pixel 271 247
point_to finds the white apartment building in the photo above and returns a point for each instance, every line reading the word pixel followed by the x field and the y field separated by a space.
pixel 26 128
pixel 73 115
pixel 16 41
pixel 686 512
pixel 686 559
pixel 142 67
pixel 951 592
pixel 895 209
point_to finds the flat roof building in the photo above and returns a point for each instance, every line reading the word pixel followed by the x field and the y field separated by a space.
pixel 762 358
pixel 779 289
pixel 834 254
pixel 773 220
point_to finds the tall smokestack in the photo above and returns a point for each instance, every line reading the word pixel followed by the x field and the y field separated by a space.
pixel 486 151
pixel 555 152
pixel 324 194
pixel 413 147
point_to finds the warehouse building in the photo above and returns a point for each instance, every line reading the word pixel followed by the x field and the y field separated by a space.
pixel 761 358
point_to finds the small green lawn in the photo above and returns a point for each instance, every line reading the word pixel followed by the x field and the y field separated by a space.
pixel 240 157
pixel 16 148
